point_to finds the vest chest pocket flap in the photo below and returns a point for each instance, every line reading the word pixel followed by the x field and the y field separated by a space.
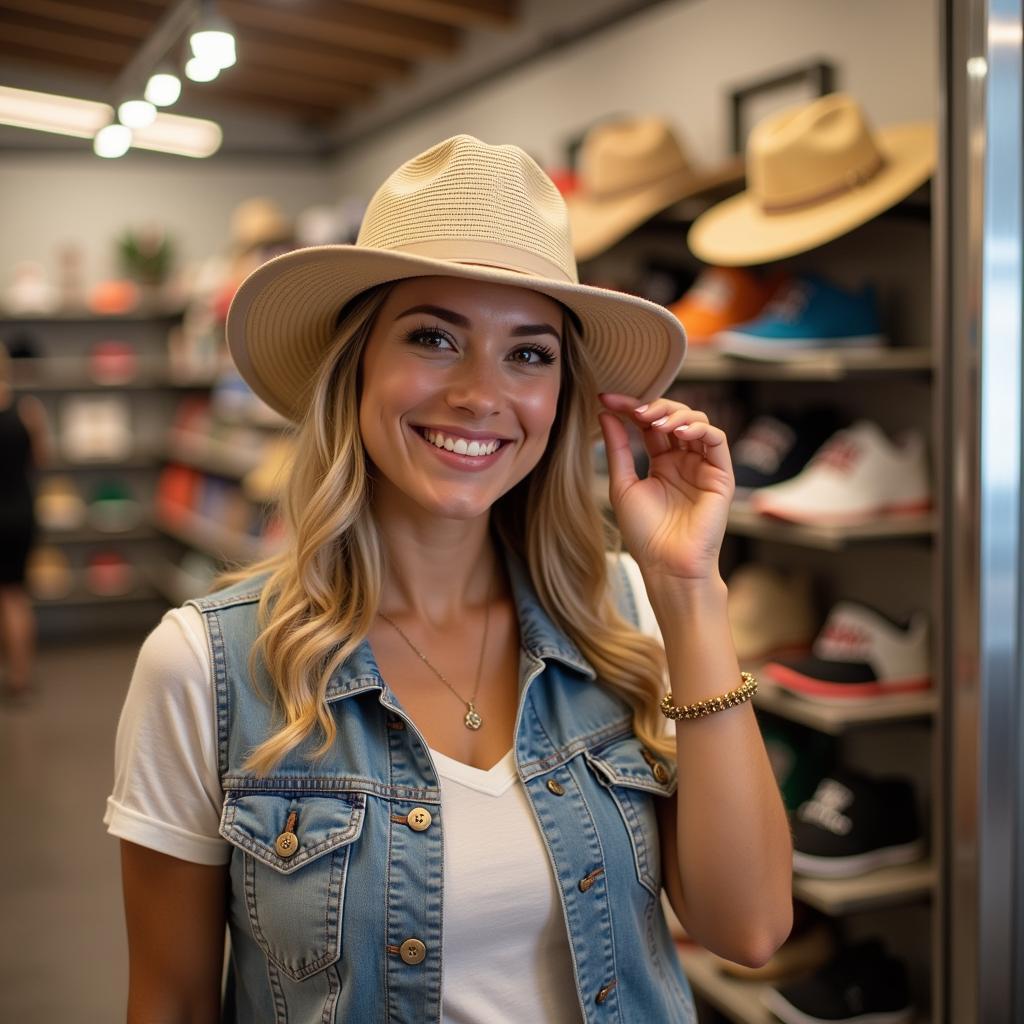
pixel 635 776
pixel 294 884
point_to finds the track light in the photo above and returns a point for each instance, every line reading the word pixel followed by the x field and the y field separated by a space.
pixel 112 141
pixel 163 89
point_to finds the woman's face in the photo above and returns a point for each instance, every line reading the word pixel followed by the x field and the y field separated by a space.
pixel 460 361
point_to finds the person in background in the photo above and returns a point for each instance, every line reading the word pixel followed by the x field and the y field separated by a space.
pixel 23 448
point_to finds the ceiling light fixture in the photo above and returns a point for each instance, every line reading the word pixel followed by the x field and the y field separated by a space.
pixel 163 88
pixel 48 112
pixel 182 136
pixel 112 141
pixel 136 113
pixel 213 39
pixel 200 70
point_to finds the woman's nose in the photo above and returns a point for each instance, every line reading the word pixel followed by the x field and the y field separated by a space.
pixel 476 387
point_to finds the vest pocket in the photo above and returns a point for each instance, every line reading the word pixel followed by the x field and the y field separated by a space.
pixel 294 901
pixel 633 777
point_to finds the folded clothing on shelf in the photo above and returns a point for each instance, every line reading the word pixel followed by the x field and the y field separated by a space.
pixel 48 573
pixel 113 507
pixel 854 824
pixel 775 447
pixel 96 427
pixel 858 655
pixel 719 298
pixel 855 477
pixel 113 362
pixel 805 316
pixel 110 574
pixel 862 984
pixel 771 612
pixel 58 504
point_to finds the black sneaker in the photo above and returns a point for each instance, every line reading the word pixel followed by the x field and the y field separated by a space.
pixel 854 824
pixel 861 985
pixel 774 448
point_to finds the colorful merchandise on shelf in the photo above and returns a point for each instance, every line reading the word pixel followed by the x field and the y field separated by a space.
pixel 48 573
pixel 96 427
pixel 858 655
pixel 861 984
pixel 811 945
pixel 113 362
pixel 109 574
pixel 720 298
pixel 805 317
pixel 775 447
pixel 58 504
pixel 30 292
pixel 814 172
pixel 113 507
pixel 800 757
pixel 857 476
pixel 110 298
pixel 266 481
pixel 197 572
pixel 176 490
pixel 854 824
pixel 771 612
pixel 629 169
pixel 232 400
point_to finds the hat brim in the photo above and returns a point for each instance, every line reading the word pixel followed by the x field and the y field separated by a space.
pixel 597 224
pixel 738 233
pixel 284 316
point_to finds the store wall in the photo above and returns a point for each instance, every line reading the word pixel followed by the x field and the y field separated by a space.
pixel 49 200
pixel 679 60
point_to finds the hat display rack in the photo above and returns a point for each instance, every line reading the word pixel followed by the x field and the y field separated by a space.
pixel 823 192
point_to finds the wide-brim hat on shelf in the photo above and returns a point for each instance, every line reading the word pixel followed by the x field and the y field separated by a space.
pixel 258 221
pixel 461 209
pixel 628 171
pixel 814 173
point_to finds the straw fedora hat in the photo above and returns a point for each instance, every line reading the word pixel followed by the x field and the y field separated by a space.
pixel 258 221
pixel 814 173
pixel 629 170
pixel 461 209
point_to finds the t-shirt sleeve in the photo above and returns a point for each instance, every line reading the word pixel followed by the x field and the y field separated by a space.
pixel 167 794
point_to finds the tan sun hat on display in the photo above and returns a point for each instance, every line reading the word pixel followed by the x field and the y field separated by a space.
pixel 629 170
pixel 258 221
pixel 814 173
pixel 461 209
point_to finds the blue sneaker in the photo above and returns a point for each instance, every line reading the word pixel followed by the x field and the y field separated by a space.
pixel 806 316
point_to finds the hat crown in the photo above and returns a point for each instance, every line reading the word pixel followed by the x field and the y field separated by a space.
pixel 801 156
pixel 473 204
pixel 627 154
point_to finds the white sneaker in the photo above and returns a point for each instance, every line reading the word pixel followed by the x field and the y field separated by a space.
pixel 859 654
pixel 856 476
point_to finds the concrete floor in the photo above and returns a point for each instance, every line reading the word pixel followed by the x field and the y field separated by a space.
pixel 63 952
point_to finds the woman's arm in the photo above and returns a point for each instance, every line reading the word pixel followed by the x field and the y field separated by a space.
pixel 733 891
pixel 175 913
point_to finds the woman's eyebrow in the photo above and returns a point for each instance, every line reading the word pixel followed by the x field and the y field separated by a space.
pixel 522 331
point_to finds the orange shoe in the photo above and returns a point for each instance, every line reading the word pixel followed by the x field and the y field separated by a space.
pixel 719 298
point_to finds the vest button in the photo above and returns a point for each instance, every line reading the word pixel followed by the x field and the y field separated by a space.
pixel 286 844
pixel 419 819
pixel 413 951
pixel 556 787
pixel 605 992
pixel 660 772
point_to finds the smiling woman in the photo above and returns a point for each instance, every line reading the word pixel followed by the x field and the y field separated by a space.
pixel 429 776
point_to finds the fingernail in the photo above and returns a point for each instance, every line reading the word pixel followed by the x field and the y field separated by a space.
pixel 658 423
pixel 685 426
pixel 640 408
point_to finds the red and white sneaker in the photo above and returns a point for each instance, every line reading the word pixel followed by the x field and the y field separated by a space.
pixel 858 655
pixel 857 475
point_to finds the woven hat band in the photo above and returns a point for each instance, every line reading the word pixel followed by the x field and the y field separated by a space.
pixel 855 179
pixel 488 254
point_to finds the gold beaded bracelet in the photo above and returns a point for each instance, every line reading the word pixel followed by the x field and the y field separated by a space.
pixel 700 708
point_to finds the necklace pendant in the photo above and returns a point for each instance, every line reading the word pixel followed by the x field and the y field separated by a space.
pixel 472 719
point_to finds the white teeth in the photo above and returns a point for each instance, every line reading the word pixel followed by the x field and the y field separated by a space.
pixel 460 445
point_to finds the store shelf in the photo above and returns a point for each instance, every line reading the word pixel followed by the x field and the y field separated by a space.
pixel 60 374
pixel 80 597
pixel 745 522
pixel 708 364
pixel 886 887
pixel 176 585
pixel 90 535
pixel 141 459
pixel 210 455
pixel 739 1000
pixel 85 316
pixel 210 537
pixel 836 719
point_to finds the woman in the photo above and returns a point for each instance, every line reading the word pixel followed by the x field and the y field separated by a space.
pixel 416 761
pixel 23 447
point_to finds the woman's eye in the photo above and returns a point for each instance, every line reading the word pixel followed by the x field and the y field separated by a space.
pixel 545 357
pixel 427 336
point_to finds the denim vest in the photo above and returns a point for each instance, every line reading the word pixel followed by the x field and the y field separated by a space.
pixel 336 874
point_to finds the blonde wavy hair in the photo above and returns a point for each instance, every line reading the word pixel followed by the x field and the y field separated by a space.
pixel 324 584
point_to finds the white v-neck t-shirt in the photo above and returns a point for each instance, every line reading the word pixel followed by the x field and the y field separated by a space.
pixel 506 951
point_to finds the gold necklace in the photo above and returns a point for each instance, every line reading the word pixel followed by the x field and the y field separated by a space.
pixel 472 719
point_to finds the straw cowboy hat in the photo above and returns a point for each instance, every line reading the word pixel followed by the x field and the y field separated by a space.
pixel 461 209
pixel 814 173
pixel 629 170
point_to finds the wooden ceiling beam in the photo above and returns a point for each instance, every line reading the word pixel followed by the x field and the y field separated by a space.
pixel 300 87
pixel 344 24
pixel 458 13
pixel 47 60
pixel 91 16
pixel 19 32
pixel 251 102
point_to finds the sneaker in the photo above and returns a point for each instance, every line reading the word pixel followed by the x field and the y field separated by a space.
pixel 861 985
pixel 800 758
pixel 719 298
pixel 855 477
pixel 774 448
pixel 771 612
pixel 858 655
pixel 854 824
pixel 806 316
